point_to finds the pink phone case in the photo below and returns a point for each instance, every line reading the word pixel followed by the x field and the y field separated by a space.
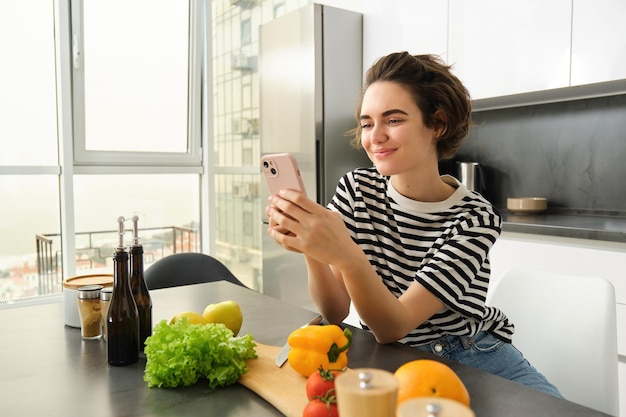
pixel 281 172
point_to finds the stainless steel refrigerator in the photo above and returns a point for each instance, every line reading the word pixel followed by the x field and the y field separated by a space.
pixel 310 75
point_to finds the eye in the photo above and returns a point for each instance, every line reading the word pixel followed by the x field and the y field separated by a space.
pixel 393 121
pixel 366 125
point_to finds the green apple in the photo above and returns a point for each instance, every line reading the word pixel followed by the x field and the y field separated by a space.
pixel 226 312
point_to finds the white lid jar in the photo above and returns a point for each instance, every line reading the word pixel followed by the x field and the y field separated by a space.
pixel 70 294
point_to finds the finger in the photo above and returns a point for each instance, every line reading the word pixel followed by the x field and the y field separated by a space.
pixel 297 199
pixel 281 218
pixel 271 221
pixel 275 203
pixel 281 230
pixel 284 238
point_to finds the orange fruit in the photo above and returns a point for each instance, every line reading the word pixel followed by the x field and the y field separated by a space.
pixel 428 378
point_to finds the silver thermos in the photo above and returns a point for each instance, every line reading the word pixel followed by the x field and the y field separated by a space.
pixel 469 175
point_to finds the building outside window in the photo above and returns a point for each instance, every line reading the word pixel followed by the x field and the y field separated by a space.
pixel 236 141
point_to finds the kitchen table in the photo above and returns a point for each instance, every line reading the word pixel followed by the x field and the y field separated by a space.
pixel 47 370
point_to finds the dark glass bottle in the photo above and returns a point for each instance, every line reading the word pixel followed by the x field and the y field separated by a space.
pixel 122 319
pixel 138 286
pixel 140 293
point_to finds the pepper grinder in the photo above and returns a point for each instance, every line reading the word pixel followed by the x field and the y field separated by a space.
pixel 366 392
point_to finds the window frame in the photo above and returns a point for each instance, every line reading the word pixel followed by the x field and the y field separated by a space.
pixel 83 158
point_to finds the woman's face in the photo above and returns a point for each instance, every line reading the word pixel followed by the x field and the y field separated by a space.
pixel 393 132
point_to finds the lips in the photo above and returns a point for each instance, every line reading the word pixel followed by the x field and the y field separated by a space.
pixel 382 153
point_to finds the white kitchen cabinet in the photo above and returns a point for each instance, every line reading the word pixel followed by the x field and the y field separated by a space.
pixel 622 394
pixel 506 47
pixel 598 41
pixel 416 26
pixel 621 342
pixel 509 53
pixel 575 257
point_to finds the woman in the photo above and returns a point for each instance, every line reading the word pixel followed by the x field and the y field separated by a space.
pixel 408 247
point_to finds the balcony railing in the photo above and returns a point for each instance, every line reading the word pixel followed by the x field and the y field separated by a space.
pixel 96 249
pixel 47 266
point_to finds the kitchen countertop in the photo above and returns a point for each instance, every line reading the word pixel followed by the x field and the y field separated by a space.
pixel 48 370
pixel 571 224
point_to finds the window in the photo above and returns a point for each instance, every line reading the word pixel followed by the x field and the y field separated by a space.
pixel 246 31
pixel 27 85
pixel 236 140
pixel 167 205
pixel 30 207
pixel 102 118
pixel 136 104
pixel 136 82
pixel 134 109
pixel 28 141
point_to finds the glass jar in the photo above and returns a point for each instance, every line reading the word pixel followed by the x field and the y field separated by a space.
pixel 70 294
pixel 89 311
pixel 105 301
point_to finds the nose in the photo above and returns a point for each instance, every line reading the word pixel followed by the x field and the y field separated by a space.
pixel 378 133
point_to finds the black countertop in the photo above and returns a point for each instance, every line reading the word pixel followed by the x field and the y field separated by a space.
pixel 48 370
pixel 580 225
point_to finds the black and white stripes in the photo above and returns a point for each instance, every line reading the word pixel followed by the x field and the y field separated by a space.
pixel 444 246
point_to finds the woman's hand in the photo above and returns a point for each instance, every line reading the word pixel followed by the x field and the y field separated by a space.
pixel 299 224
pixel 275 229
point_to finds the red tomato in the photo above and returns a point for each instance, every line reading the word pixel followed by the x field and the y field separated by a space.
pixel 319 408
pixel 319 383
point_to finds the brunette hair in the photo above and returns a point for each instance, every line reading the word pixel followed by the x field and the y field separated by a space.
pixel 442 98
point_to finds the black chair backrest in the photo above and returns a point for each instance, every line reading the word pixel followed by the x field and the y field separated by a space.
pixel 186 269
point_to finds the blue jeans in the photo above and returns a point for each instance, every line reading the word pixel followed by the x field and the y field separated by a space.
pixel 492 355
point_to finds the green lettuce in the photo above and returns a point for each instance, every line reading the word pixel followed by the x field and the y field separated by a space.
pixel 181 353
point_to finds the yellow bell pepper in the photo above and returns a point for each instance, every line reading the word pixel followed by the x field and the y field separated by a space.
pixel 316 346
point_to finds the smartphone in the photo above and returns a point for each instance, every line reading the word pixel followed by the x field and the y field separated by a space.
pixel 281 172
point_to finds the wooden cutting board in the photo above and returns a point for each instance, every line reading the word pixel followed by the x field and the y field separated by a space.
pixel 283 387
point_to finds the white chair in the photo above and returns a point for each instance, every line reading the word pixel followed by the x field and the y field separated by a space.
pixel 566 327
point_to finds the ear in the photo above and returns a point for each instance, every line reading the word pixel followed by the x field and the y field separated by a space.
pixel 440 123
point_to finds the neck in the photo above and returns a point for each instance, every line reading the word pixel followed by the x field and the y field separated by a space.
pixel 428 190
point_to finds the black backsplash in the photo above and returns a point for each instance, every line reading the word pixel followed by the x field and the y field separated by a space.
pixel 573 153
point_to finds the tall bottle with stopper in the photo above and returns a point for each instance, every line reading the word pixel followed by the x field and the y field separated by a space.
pixel 122 318
pixel 139 288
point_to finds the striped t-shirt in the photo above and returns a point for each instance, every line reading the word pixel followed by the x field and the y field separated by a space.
pixel 444 246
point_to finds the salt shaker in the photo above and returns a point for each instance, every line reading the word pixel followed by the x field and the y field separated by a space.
pixel 366 392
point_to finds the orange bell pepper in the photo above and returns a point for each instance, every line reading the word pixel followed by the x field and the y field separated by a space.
pixel 316 346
